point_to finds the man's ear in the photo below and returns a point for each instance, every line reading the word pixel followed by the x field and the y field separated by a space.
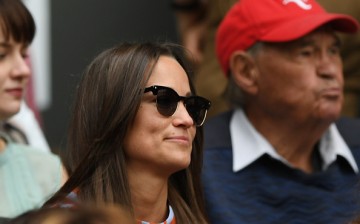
pixel 244 71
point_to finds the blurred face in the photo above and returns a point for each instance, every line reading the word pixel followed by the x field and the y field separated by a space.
pixel 157 143
pixel 14 75
pixel 302 79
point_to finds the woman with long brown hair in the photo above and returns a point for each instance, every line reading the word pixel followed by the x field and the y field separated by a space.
pixel 135 137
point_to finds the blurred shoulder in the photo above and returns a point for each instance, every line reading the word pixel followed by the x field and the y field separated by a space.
pixel 34 155
pixel 217 131
pixel 349 129
pixel 44 167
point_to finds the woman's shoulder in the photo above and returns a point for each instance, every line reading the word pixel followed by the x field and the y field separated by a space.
pixel 34 156
pixel 44 167
pixel 30 177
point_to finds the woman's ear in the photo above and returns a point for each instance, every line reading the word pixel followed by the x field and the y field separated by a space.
pixel 244 71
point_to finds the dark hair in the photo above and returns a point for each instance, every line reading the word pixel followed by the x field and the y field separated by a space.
pixel 108 98
pixel 16 21
pixel 84 215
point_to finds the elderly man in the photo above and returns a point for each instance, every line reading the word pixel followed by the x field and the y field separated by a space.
pixel 278 157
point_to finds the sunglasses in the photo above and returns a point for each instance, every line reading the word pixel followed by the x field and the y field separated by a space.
pixel 167 101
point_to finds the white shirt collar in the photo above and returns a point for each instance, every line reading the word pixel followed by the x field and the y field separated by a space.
pixel 168 220
pixel 248 145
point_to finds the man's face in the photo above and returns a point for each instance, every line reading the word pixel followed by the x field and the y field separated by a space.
pixel 302 79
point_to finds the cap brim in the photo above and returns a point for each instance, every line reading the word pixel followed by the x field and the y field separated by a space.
pixel 297 28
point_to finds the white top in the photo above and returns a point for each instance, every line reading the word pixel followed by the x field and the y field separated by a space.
pixel 25 121
pixel 248 145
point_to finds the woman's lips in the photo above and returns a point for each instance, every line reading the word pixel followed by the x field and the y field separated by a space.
pixel 179 139
pixel 16 92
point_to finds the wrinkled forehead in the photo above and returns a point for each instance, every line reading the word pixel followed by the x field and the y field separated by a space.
pixel 324 31
pixel 310 39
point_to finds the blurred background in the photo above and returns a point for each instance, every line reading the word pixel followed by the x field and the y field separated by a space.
pixel 70 34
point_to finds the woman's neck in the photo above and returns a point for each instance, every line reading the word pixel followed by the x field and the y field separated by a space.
pixel 149 196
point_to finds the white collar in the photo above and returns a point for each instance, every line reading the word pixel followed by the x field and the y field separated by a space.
pixel 169 219
pixel 248 145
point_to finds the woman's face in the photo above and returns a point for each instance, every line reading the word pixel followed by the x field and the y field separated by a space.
pixel 14 75
pixel 156 143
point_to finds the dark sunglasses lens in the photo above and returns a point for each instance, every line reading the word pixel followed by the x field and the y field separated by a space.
pixel 197 109
pixel 166 101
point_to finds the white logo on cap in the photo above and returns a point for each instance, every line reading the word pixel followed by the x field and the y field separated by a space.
pixel 301 3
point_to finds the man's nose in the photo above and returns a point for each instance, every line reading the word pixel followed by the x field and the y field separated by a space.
pixel 329 66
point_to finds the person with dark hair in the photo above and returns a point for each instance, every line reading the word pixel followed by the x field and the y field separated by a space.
pixel 28 176
pixel 282 155
pixel 23 126
pixel 135 136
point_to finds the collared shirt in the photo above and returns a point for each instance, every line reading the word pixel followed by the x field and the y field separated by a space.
pixel 249 145
pixel 170 219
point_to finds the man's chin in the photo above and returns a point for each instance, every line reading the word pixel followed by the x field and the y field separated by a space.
pixel 330 115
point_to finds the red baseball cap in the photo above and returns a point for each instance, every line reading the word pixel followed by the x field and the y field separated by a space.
pixel 249 21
